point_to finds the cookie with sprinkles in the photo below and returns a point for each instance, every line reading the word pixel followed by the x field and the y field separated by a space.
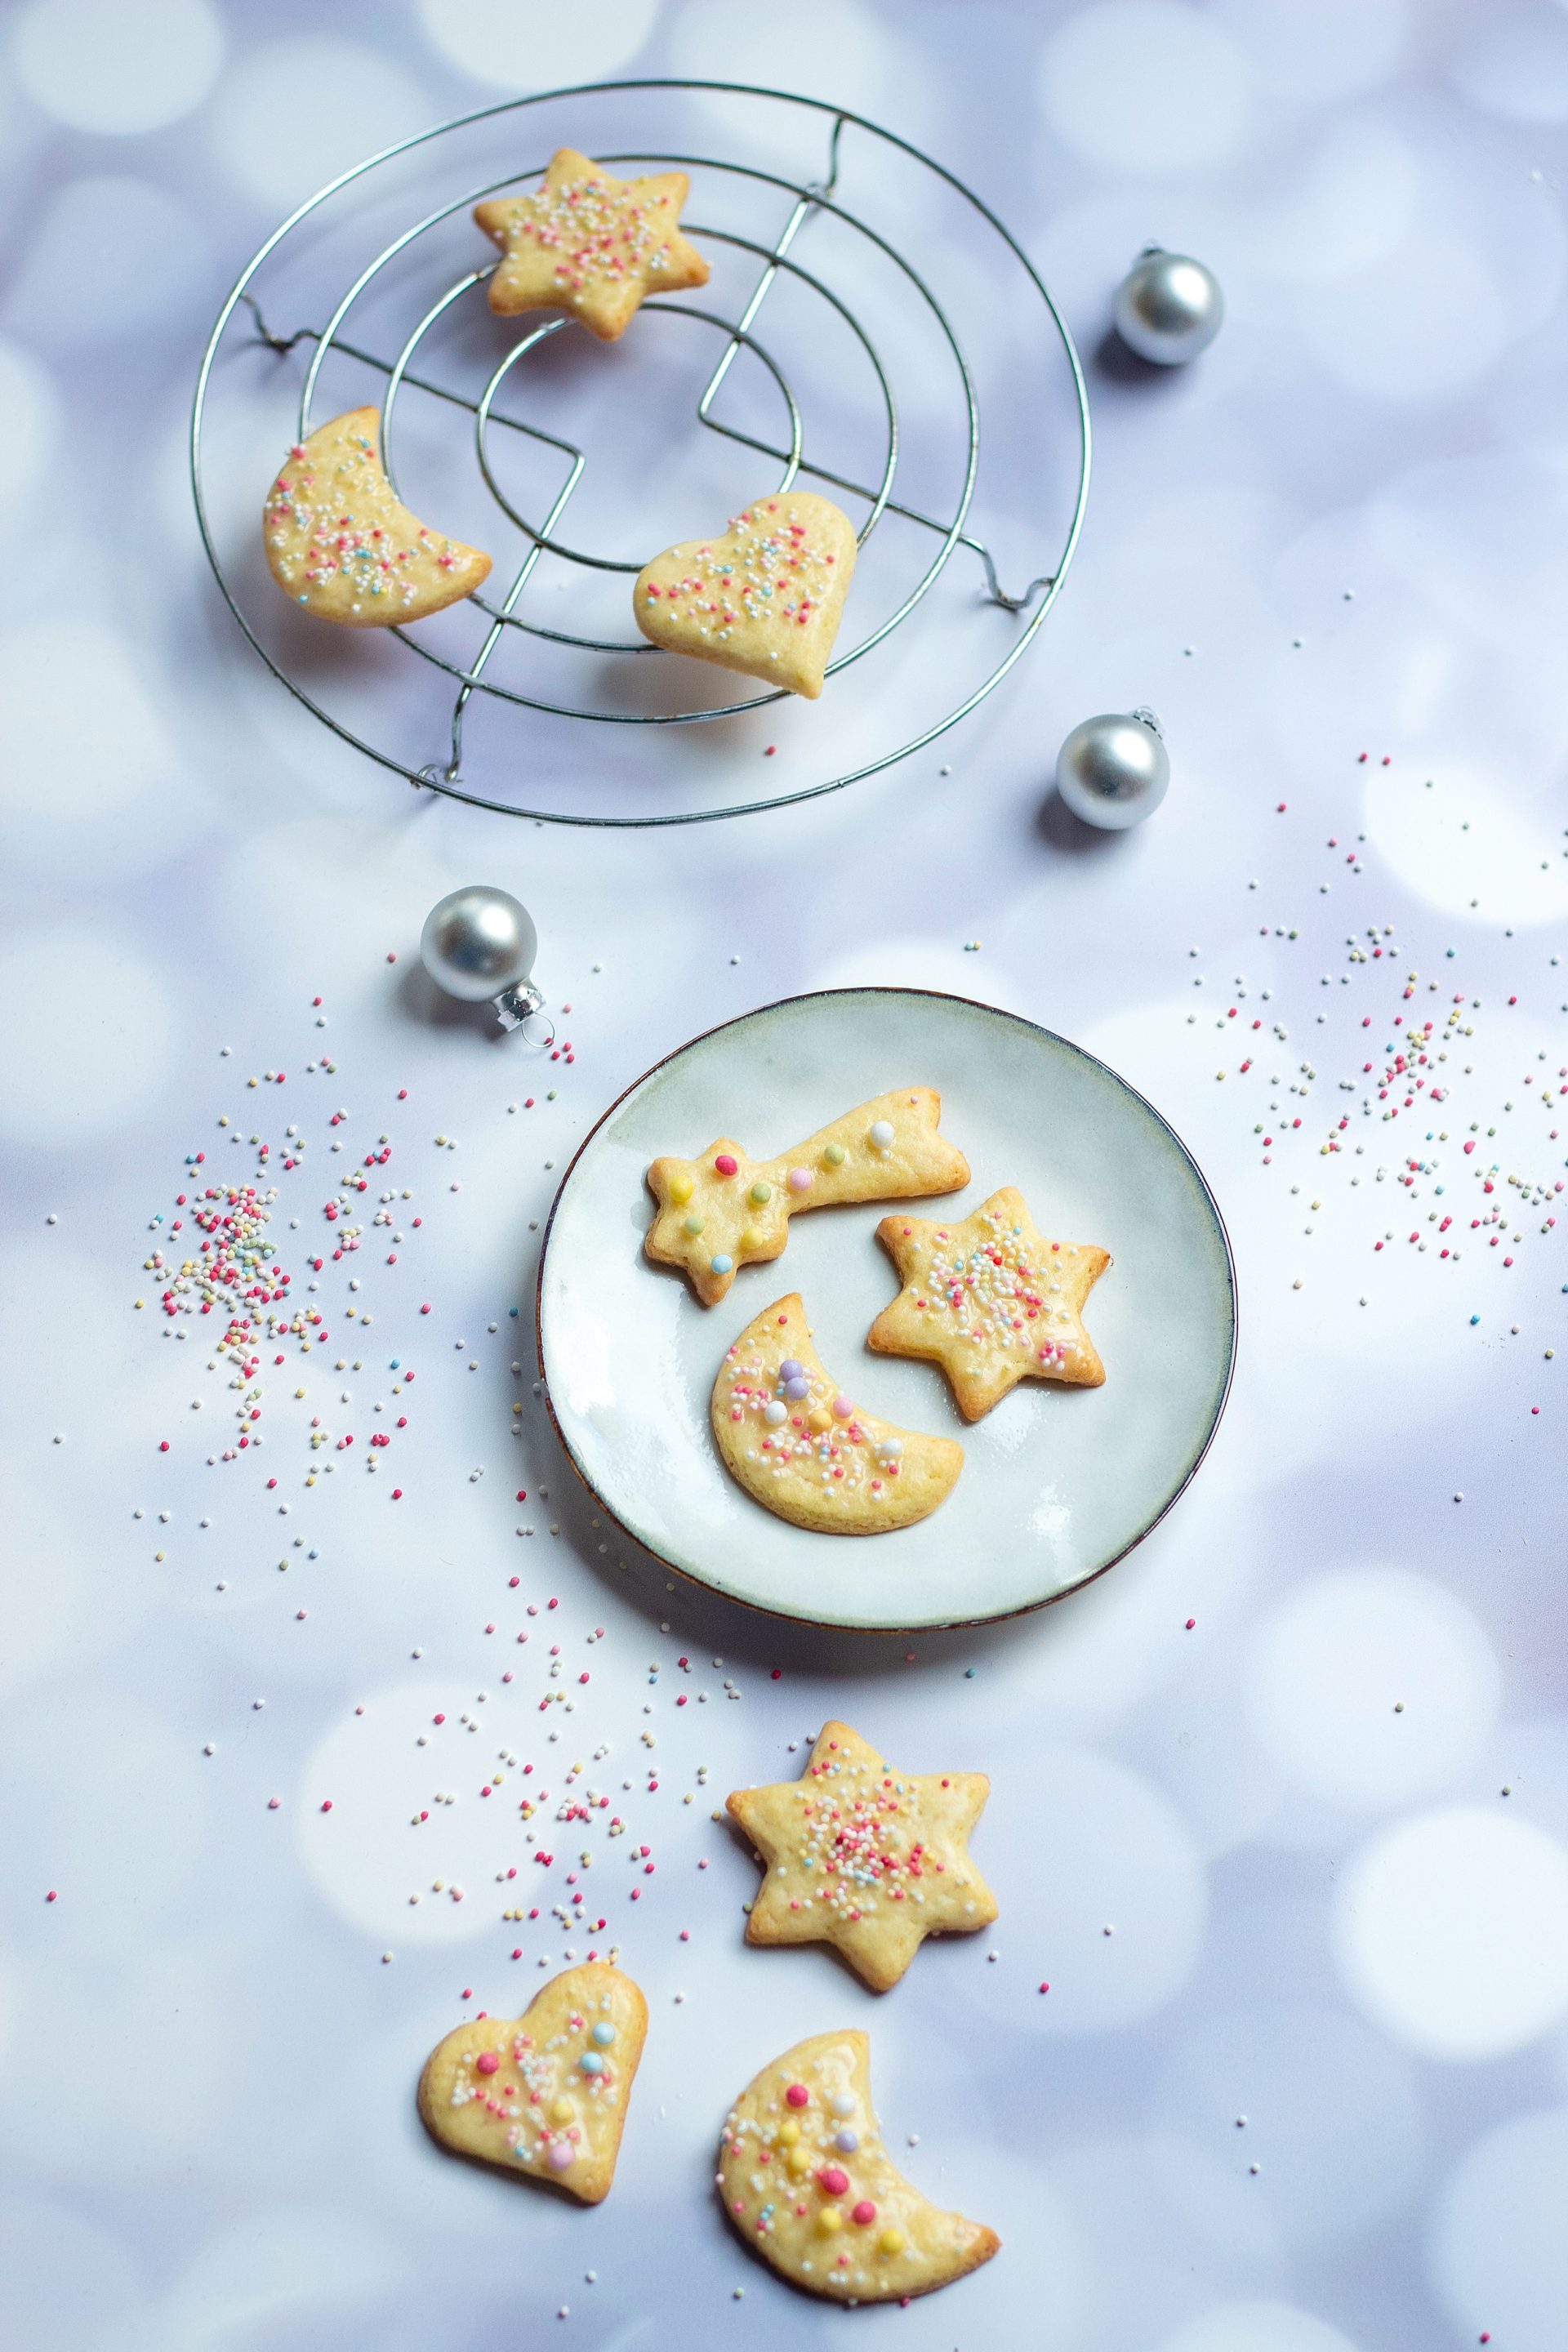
pixel 764 597
pixel 865 1858
pixel 990 1301
pixel 342 545
pixel 592 244
pixel 807 2182
pixel 546 2094
pixel 790 1436
pixel 725 1209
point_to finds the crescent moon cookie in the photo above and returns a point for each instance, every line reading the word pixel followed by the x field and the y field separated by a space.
pixel 545 2094
pixel 864 1858
pixel 990 1301
pixel 764 597
pixel 342 543
pixel 592 244
pixel 807 2181
pixel 791 1437
pixel 726 1210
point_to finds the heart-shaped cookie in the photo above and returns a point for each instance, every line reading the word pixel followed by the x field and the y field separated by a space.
pixel 765 596
pixel 546 2092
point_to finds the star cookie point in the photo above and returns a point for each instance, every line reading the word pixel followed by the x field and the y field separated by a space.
pixel 589 244
pixel 865 1858
pixel 991 1300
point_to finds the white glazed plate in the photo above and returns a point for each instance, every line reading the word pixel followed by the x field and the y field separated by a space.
pixel 1057 1483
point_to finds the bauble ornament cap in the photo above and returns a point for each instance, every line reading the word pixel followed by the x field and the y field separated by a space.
pixel 479 943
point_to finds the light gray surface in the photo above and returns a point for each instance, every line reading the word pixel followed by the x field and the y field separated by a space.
pixel 1326 1916
pixel 1053 1488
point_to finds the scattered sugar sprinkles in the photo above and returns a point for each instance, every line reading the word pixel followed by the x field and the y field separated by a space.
pixel 552 1799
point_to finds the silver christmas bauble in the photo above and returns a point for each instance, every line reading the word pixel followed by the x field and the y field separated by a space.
pixel 479 942
pixel 1113 770
pixel 1168 308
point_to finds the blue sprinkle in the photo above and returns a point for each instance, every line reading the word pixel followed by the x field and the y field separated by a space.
pixel 603 2033
pixel 968 1674
pixel 1475 1318
pixel 1448 951
pixel 312 1555
pixel 512 1312
pixel 723 1262
pixel 591 2063
pixel 396 1364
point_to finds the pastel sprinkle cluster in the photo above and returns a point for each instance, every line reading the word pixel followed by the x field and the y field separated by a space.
pixel 560 2083
pixel 348 524
pixel 803 1425
pixel 598 236
pixel 1000 1301
pixel 767 567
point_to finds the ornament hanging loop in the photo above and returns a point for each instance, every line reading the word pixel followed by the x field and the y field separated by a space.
pixel 518 1006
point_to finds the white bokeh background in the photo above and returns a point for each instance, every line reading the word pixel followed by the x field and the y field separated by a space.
pixel 1297 1875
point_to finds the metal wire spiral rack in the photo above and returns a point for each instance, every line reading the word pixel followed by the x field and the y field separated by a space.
pixel 803 201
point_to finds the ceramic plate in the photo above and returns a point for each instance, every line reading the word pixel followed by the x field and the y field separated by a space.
pixel 1057 1484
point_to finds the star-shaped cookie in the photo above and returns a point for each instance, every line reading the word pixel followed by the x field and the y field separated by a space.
pixel 869 1860
pixel 990 1301
pixel 591 243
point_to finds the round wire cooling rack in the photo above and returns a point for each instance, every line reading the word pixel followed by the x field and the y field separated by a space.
pixel 505 617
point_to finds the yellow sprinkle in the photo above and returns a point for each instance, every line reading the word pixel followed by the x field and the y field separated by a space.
pixel 679 1188
pixel 789 2132
pixel 891 2241
pixel 562 2111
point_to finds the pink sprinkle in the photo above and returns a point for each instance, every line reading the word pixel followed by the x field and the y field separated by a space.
pixel 1190 1622
pixel 273 1803
pixel 488 2062
pixel 326 1804
pixel 1045 1988
pixel 797 2095
pixel 52 1897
